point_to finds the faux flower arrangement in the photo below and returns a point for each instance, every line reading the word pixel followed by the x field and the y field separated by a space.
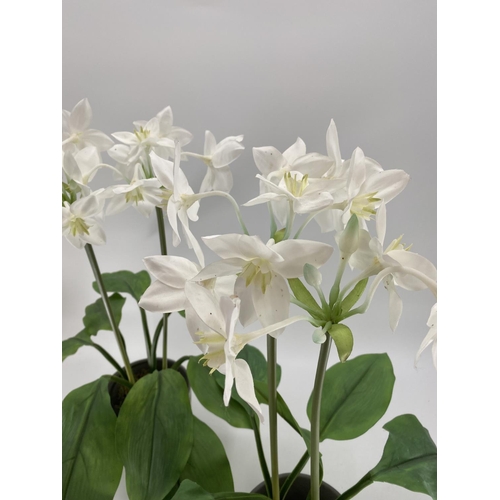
pixel 149 428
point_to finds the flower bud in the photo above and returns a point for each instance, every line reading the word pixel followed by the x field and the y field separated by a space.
pixel 319 336
pixel 348 239
pixel 312 276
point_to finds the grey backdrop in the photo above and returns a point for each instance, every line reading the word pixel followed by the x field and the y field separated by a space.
pixel 273 71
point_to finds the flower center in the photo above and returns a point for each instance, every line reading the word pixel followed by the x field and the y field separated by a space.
pixel 363 205
pixel 397 245
pixel 78 226
pixel 295 184
pixel 257 271
pixel 142 134
pixel 134 196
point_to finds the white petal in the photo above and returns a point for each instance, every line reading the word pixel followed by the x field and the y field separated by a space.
pixel 166 119
pixel 414 261
pixel 164 170
pixel 225 267
pixel 332 144
pixel 313 164
pixel 381 222
pixel 241 246
pixel 210 143
pixel 364 256
pixel 86 207
pixel 119 153
pixel 172 219
pixel 181 135
pixel 264 198
pixel 162 298
pixel 295 151
pixel 325 220
pixel 312 203
pixel 116 205
pixel 195 325
pixel 268 159
pixel 223 180
pixel 97 138
pixel 96 235
pixel 297 253
pixel 395 304
pixel 247 310
pixel 126 137
pixel 171 269
pixel 245 387
pixel 273 305
pixel 71 168
pixel 206 306
pixel 81 116
pixel 357 172
pixel 226 154
pixel 208 183
pixel 387 184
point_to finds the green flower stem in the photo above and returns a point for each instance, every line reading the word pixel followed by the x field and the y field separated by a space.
pixel 289 220
pixel 163 246
pixel 293 475
pixel 109 311
pixel 260 452
pixel 334 292
pixel 106 355
pixel 154 343
pixel 315 416
pixel 145 329
pixel 179 362
pixel 273 415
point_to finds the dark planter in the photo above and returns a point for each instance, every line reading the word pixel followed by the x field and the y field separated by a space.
pixel 118 392
pixel 300 489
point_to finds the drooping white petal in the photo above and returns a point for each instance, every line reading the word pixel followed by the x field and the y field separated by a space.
pixel 414 261
pixel 164 170
pixel 86 207
pixel 80 116
pixel 190 237
pixel 395 304
pixel 247 310
pixel 171 269
pixel 162 298
pixel 245 387
pixel 207 307
pixel 195 325
pixel 96 235
pixel 273 305
pixel 120 153
pixel 364 256
pixel 227 153
pixel 296 253
pixel 116 205
pixel 381 222
pixel 172 219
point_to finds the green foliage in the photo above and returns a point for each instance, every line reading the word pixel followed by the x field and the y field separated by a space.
pixel 210 395
pixel 154 434
pixel 91 468
pixel 409 459
pixel 208 464
pixel 302 294
pixel 356 394
pixel 279 235
pixel 189 490
pixel 134 284
pixel 95 319
pixel 353 296
pixel 344 341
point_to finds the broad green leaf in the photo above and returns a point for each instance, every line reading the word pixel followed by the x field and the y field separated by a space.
pixel 303 295
pixel 91 468
pixel 71 345
pixel 154 434
pixel 210 395
pixel 356 395
pixel 96 319
pixel 208 465
pixel 188 490
pixel 409 459
pixel 134 284
pixel 344 341
pixel 353 296
pixel 237 496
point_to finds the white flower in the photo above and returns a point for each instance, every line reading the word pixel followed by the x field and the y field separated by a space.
pixel 157 134
pixel 431 337
pixel 263 270
pixel 76 133
pixel 181 202
pixel 82 166
pixel 81 221
pixel 143 194
pixel 218 157
pixel 223 344
pixel 372 259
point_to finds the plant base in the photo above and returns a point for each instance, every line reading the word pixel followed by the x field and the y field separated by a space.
pixel 118 392
pixel 300 488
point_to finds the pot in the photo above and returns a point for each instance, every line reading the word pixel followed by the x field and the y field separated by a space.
pixel 118 392
pixel 300 488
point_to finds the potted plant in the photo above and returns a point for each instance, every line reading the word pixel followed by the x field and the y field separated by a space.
pixel 165 450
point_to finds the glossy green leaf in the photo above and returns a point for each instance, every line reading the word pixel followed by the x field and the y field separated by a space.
pixel 154 434
pixel 208 465
pixel 96 319
pixel 302 294
pixel 91 468
pixel 344 341
pixel 188 490
pixel 356 395
pixel 210 395
pixel 71 345
pixel 134 284
pixel 409 459
pixel 353 296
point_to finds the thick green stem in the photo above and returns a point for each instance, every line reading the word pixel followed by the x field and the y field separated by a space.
pixel 154 344
pixel 293 475
pixel 147 337
pixel 121 381
pixel 260 452
pixel 163 246
pixel 273 415
pixel 315 416
pixel 352 492
pixel 179 362
pixel 109 311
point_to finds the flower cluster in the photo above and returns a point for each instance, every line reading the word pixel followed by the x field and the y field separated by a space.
pixel 252 280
